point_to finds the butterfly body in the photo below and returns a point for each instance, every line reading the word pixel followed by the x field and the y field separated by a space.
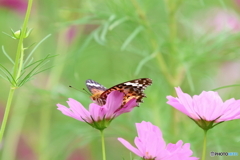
pixel 131 89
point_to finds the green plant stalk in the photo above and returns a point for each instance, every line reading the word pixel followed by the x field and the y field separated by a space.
pixel 153 42
pixel 15 70
pixel 20 43
pixel 6 113
pixel 20 63
pixel 172 25
pixel 103 146
pixel 204 145
pixel 15 124
pixel 176 72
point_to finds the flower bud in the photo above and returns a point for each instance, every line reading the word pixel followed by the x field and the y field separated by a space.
pixel 17 34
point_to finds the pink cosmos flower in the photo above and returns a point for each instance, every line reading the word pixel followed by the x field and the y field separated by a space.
pixel 151 145
pixel 205 109
pixel 98 117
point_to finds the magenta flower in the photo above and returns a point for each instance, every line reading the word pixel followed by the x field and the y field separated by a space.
pixel 72 32
pixel 151 145
pixel 205 109
pixel 19 6
pixel 98 117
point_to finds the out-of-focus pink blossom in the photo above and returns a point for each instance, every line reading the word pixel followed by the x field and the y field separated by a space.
pixel 98 117
pixel 237 2
pixel 71 34
pixel 150 145
pixel 226 21
pixel 19 6
pixel 217 21
pixel 205 109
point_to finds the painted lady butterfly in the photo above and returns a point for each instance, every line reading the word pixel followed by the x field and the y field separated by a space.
pixel 131 89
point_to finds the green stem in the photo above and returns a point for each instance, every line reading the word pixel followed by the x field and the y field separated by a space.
pixel 103 145
pixel 16 69
pixel 204 145
pixel 154 44
pixel 20 63
pixel 6 113
pixel 20 43
pixel 177 71
pixel 15 123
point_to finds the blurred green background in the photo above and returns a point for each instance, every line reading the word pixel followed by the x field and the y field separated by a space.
pixel 192 44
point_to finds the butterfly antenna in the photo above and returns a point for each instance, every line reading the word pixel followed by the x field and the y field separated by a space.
pixel 79 90
pixel 87 91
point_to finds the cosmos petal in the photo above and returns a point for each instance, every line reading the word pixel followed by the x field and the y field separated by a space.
pixel 130 147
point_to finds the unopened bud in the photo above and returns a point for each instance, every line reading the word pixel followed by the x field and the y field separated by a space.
pixel 17 34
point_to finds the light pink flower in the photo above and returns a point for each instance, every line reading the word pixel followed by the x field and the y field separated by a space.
pixel 216 21
pixel 225 21
pixel 206 107
pixel 98 116
pixel 151 145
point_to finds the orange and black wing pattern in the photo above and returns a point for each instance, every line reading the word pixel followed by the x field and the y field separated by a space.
pixel 131 89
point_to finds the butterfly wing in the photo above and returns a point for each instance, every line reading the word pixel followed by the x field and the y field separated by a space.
pixel 94 87
pixel 131 89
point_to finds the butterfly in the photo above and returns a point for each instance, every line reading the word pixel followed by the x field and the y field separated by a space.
pixel 131 89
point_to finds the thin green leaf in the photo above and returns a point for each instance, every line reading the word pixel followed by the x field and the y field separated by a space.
pixel 5 53
pixel 9 35
pixel 7 79
pixel 84 20
pixel 22 73
pixel 30 46
pixel 12 31
pixel 40 66
pixel 6 74
pixel 11 81
pixel 44 62
pixel 228 86
pixel 39 61
pixel 9 74
pixel 143 61
pixel 43 70
pixel 117 22
pixel 131 37
pixel 29 75
pixel 104 32
pixel 96 36
pixel 106 28
pixel 23 82
pixel 3 77
pixel 30 54
pixel 30 62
